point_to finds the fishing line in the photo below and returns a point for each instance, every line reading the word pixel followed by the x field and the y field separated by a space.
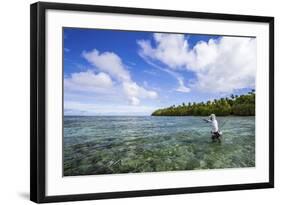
pixel 224 122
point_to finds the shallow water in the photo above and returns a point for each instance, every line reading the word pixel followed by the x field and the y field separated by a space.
pixel 123 144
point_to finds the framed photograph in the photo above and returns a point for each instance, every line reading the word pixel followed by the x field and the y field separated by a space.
pixel 129 102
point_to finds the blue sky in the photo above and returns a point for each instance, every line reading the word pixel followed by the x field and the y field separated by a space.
pixel 108 72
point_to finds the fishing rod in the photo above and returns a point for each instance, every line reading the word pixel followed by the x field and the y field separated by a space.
pixel 223 123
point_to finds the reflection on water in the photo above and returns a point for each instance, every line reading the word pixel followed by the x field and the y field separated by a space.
pixel 123 144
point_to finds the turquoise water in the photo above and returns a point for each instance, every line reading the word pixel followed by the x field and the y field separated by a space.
pixel 131 144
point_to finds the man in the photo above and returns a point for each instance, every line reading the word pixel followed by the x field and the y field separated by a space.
pixel 216 134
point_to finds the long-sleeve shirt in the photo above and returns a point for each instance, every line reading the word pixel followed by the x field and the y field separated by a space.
pixel 215 127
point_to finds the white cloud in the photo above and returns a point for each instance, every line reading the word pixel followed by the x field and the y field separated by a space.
pixel 221 65
pixel 88 81
pixel 108 62
pixel 79 108
pixel 177 76
pixel 171 49
pixel 182 88
pixel 134 92
pixel 112 64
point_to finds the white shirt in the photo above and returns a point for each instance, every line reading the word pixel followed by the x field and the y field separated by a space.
pixel 215 127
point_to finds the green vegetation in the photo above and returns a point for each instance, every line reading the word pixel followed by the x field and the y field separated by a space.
pixel 243 105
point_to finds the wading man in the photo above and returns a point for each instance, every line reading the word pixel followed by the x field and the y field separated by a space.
pixel 216 134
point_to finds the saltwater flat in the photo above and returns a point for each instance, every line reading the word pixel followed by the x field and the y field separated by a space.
pixel 124 144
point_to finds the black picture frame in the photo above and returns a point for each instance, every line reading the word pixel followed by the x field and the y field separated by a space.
pixel 38 101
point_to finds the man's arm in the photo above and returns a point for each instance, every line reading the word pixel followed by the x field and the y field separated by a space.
pixel 206 120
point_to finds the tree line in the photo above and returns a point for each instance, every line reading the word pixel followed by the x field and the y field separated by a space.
pixel 242 105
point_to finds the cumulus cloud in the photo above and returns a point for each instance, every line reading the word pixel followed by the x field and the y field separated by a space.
pixel 220 65
pixel 112 64
pixel 88 81
pixel 171 49
pixel 134 92
pixel 108 62
pixel 231 66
